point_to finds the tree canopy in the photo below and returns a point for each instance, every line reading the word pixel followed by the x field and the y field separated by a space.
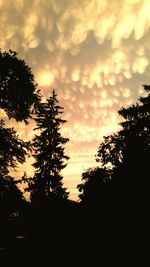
pixel 12 149
pixel 17 87
pixel 134 135
pixel 18 98
pixel 95 186
pixel 125 155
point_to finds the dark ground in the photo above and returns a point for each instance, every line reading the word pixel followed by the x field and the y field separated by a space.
pixel 41 243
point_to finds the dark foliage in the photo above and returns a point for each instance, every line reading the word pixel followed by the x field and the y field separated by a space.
pixel 11 198
pixel 123 180
pixel 17 87
pixel 18 98
pixel 128 153
pixel 49 153
pixel 96 186
pixel 12 149
pixel 134 135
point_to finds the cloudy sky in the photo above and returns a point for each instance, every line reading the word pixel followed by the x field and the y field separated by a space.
pixel 95 53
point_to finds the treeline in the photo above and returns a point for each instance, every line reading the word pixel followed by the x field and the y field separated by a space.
pixel 21 101
pixel 116 190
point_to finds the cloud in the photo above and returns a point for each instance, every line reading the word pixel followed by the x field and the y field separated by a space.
pixel 95 53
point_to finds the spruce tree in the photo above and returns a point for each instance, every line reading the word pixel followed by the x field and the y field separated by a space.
pixel 49 154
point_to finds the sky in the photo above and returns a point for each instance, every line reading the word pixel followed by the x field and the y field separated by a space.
pixel 95 53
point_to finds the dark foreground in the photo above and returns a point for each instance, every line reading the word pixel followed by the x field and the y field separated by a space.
pixel 41 243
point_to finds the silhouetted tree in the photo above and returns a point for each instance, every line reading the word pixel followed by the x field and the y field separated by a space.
pixel 124 157
pixel 128 153
pixel 49 153
pixel 11 198
pixel 95 185
pixel 18 97
pixel 96 195
pixel 134 135
pixel 12 149
pixel 17 87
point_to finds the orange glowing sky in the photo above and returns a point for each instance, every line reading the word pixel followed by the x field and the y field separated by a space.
pixel 95 53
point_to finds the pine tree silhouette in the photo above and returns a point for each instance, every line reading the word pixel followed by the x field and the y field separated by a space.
pixel 49 153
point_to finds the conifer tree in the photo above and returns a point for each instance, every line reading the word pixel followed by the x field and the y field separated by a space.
pixel 49 154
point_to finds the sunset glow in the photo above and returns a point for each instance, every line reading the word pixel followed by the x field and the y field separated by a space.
pixel 45 78
pixel 95 53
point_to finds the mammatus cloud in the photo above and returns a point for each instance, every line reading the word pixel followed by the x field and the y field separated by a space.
pixel 95 53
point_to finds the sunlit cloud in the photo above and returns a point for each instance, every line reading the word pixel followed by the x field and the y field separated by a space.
pixel 94 53
pixel 45 78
